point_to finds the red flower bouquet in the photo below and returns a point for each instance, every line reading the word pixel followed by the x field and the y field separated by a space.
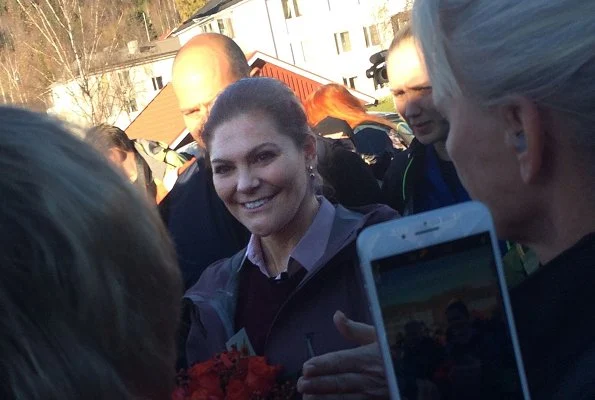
pixel 233 375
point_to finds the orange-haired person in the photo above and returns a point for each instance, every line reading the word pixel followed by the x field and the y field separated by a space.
pixel 373 136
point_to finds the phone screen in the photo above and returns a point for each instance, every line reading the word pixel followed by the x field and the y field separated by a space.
pixel 445 322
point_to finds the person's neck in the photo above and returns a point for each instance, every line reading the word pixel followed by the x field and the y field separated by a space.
pixel 277 247
pixel 440 148
pixel 569 216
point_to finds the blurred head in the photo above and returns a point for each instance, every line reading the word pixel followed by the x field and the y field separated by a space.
pixel 114 144
pixel 262 154
pixel 413 333
pixel 459 323
pixel 412 90
pixel 519 97
pixel 117 147
pixel 89 288
pixel 205 66
pixel 334 100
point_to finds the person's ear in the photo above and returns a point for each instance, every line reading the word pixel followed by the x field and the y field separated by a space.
pixel 310 149
pixel 255 71
pixel 116 156
pixel 525 135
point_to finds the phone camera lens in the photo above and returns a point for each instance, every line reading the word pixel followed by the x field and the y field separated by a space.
pixel 403 236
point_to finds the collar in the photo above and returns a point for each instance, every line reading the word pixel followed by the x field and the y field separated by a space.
pixel 309 249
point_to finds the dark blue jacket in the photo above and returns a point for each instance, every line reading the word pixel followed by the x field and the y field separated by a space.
pixel 202 229
pixel 414 182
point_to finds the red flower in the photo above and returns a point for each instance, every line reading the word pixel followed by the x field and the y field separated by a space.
pixel 237 390
pixel 203 394
pixel 205 378
pixel 232 375
pixel 179 394
pixel 261 376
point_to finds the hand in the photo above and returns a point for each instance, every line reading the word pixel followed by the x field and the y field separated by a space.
pixel 356 373
pixel 426 390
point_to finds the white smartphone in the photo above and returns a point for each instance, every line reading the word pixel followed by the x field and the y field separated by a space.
pixel 440 305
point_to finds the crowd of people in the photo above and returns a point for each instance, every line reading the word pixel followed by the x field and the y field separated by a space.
pixel 106 285
pixel 470 359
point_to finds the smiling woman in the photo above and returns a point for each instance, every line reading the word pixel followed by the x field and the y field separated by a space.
pixel 300 265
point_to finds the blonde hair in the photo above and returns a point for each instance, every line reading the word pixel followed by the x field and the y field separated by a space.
pixel 89 286
pixel 495 50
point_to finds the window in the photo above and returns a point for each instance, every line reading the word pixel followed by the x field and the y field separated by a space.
pixel 157 83
pixel 131 105
pixel 225 27
pixel 350 82
pixel 124 78
pixel 291 8
pixel 400 20
pixel 342 42
pixel 206 28
pixel 371 35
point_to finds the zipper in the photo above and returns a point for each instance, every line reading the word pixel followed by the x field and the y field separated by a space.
pixel 404 185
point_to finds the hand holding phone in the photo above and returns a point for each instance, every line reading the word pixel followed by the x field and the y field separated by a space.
pixel 358 371
pixel 440 306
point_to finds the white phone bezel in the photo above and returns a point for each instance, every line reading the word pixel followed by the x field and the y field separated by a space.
pixel 420 231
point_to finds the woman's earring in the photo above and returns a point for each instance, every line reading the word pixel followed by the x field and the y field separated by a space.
pixel 311 171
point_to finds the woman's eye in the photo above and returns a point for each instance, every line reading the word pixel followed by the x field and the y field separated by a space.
pixel 266 156
pixel 222 169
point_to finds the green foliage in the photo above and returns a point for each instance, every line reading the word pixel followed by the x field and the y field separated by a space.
pixel 187 8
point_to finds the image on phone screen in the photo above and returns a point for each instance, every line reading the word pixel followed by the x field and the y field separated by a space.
pixel 445 322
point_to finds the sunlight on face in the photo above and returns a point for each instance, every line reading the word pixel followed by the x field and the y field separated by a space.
pixel 259 173
pixel 412 93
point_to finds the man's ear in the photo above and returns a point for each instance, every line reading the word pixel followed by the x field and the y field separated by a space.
pixel 116 155
pixel 525 135
pixel 255 72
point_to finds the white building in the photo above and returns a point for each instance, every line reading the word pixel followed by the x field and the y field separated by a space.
pixel 120 91
pixel 332 38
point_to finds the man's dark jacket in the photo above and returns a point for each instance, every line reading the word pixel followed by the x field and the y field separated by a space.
pixel 403 181
pixel 202 229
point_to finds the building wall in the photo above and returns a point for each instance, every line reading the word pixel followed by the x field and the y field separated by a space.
pixel 312 37
pixel 308 40
pixel 133 87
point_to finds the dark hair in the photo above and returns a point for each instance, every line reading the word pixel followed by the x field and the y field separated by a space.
pixel 265 95
pixel 458 305
pixel 104 137
pixel 89 286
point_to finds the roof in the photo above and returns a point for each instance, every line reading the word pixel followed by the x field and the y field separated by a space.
pixel 161 119
pixel 106 61
pixel 210 8
pixel 303 82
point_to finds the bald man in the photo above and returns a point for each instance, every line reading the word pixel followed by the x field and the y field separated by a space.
pixel 202 229
pixel 205 66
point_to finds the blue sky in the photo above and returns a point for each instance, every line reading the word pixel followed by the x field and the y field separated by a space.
pixel 423 280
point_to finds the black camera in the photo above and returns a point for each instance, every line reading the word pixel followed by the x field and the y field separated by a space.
pixel 377 71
